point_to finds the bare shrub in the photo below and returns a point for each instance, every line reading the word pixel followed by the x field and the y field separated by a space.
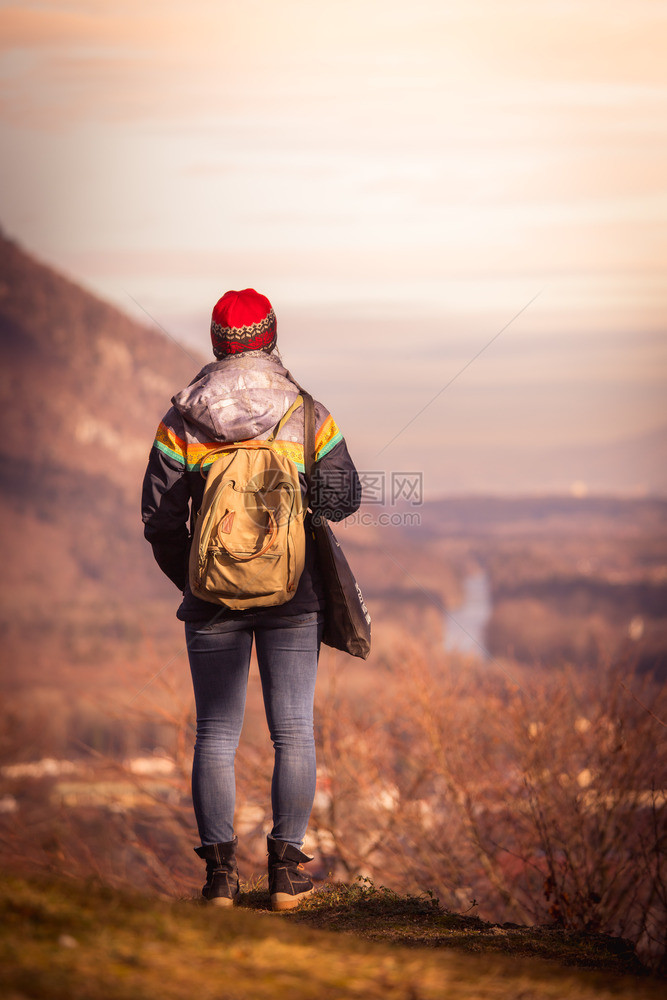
pixel 545 802
pixel 541 800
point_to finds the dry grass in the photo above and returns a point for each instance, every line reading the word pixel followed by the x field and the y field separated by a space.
pixel 68 940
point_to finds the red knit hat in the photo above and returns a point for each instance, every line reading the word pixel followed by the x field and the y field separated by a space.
pixel 242 321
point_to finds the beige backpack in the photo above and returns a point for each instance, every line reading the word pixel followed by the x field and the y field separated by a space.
pixel 248 546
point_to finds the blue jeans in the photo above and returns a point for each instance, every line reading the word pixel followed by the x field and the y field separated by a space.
pixel 287 653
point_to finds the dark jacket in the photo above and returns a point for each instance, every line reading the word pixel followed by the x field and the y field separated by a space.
pixel 239 399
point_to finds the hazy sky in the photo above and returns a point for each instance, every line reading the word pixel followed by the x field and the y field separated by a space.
pixel 400 178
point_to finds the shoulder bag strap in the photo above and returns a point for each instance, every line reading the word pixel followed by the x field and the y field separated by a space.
pixel 308 435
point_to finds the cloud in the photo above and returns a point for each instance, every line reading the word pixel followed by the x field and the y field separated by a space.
pixel 440 157
pixel 36 28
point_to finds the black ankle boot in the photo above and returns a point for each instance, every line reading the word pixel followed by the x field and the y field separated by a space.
pixel 288 883
pixel 222 875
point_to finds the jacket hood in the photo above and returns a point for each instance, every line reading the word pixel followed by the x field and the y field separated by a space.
pixel 238 399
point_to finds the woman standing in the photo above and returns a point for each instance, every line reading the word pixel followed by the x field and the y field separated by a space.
pixel 241 397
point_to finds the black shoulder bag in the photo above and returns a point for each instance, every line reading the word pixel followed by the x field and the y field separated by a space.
pixel 347 621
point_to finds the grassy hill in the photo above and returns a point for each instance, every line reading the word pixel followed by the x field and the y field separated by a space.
pixel 69 940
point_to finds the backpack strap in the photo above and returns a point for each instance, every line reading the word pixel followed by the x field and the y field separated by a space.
pixel 308 431
pixel 285 417
pixel 227 447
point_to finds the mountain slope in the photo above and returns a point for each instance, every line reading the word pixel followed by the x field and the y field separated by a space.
pixel 82 387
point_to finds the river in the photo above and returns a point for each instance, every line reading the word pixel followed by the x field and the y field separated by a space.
pixel 464 626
